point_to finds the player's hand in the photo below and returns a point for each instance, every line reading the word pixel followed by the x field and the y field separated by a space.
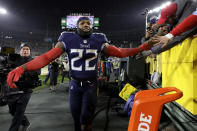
pixel 147 45
pixel 162 40
pixel 14 76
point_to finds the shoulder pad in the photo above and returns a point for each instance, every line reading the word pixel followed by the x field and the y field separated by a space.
pixel 65 33
pixel 67 36
pixel 99 36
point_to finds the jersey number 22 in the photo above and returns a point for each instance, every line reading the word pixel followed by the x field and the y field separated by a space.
pixel 87 61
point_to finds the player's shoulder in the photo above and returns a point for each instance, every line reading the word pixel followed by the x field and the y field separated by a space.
pixel 65 33
pixel 99 36
pixel 68 35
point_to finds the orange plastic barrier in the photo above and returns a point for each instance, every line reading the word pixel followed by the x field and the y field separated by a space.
pixel 147 107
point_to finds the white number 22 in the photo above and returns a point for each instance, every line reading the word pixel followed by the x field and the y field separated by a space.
pixel 87 61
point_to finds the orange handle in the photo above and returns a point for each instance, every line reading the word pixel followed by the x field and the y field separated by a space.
pixel 147 107
pixel 170 97
pixel 160 91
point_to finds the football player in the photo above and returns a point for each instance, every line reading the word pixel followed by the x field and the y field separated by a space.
pixel 83 48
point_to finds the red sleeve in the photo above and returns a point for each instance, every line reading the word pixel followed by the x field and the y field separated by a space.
pixel 187 24
pixel 125 52
pixel 44 59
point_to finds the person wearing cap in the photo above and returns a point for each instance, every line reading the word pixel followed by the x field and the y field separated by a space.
pixel 150 29
pixel 83 48
pixel 19 98
pixel 153 22
pixel 182 15
pixel 65 69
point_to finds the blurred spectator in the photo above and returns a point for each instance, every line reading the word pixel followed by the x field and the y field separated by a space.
pixel 116 66
pixel 150 29
pixel 149 32
pixel 65 69
pixel 163 30
pixel 54 74
pixel 182 15
pixel 48 75
pixel 153 24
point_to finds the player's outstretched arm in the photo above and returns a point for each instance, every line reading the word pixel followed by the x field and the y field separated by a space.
pixel 124 52
pixel 35 64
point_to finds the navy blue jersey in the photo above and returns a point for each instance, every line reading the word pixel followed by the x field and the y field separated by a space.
pixel 83 53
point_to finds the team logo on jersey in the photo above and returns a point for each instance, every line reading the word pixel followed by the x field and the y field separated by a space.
pixel 85 41
pixel 84 46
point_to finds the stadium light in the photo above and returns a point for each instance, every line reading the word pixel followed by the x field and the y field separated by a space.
pixel 3 11
pixel 159 8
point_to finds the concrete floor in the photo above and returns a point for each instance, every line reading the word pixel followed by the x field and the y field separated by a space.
pixel 50 112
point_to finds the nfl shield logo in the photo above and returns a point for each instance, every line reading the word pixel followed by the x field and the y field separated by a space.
pixel 85 41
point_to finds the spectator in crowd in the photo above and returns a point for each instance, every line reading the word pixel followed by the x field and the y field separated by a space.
pixel 65 69
pixel 150 29
pixel 163 30
pixel 149 32
pixel 54 74
pixel 48 75
pixel 83 48
pixel 182 15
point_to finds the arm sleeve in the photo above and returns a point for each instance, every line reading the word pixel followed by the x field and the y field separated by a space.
pixel 44 59
pixel 187 24
pixel 125 52
pixel 157 49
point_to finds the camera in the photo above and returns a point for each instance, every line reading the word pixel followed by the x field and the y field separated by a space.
pixel 8 60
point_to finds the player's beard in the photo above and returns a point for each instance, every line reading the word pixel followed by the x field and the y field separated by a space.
pixel 84 34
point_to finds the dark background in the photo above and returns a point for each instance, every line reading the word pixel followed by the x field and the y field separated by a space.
pixel 121 20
